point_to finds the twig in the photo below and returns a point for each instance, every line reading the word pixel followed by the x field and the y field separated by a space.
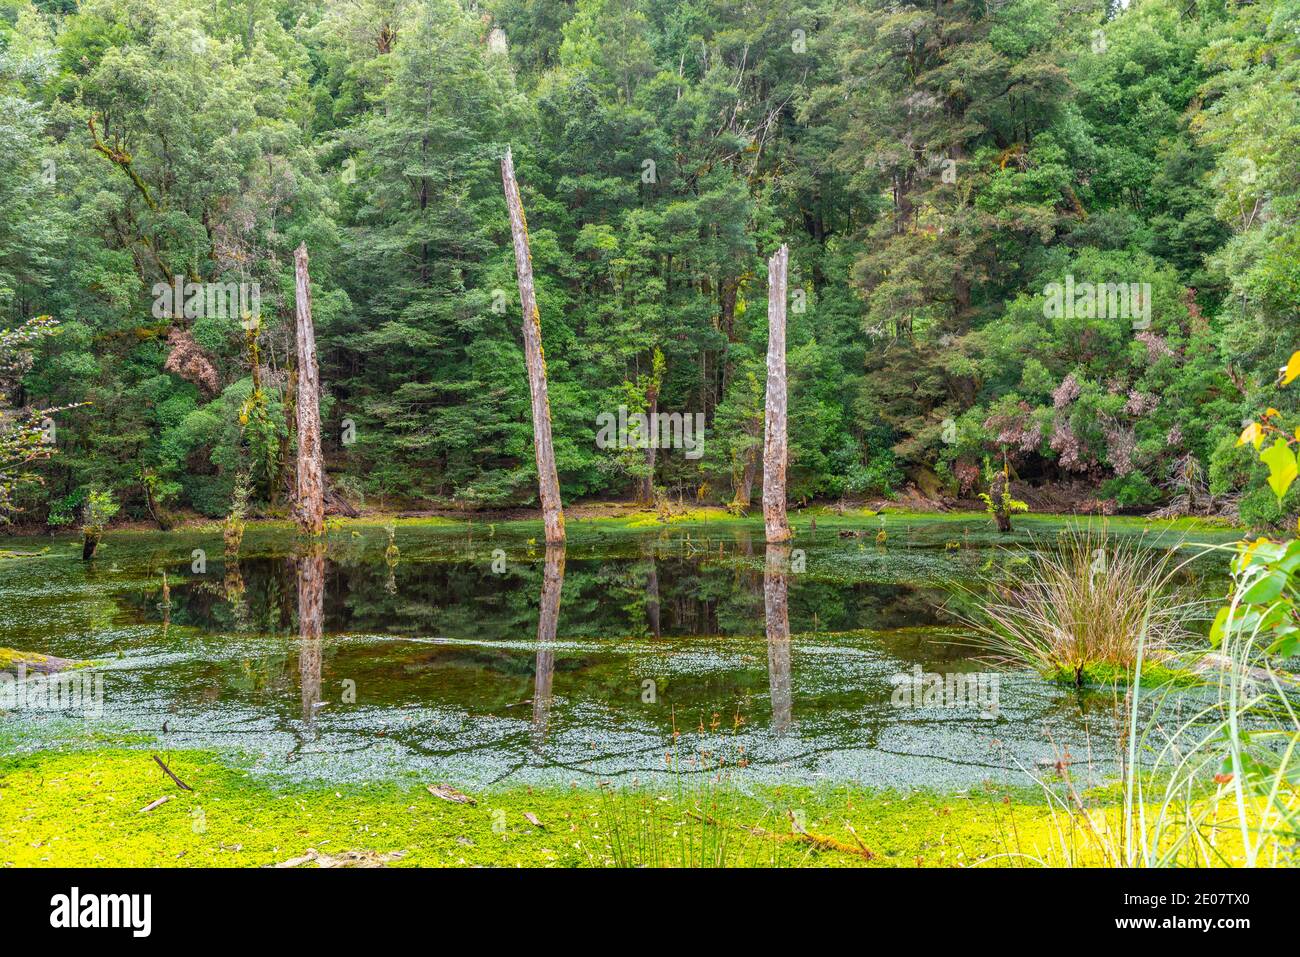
pixel 179 783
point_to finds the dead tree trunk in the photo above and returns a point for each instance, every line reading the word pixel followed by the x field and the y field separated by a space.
pixel 548 483
pixel 999 496
pixel 775 453
pixel 309 491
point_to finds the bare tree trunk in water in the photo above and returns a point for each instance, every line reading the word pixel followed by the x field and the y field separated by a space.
pixel 548 482
pixel 311 621
pixel 548 620
pixel 309 492
pixel 999 492
pixel 775 453
pixel 777 614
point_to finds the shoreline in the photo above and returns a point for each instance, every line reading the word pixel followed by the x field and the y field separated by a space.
pixel 635 516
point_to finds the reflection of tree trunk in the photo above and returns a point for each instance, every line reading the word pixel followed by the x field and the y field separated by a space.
pixel 777 614
pixel 548 620
pixel 166 603
pixel 652 595
pixel 548 483
pixel 311 621
pixel 309 493
pixel 233 583
pixel 775 455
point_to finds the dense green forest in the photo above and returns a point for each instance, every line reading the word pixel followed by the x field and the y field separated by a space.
pixel 941 171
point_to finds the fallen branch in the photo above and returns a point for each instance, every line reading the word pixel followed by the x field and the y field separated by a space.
pixel 365 859
pixel 821 842
pixel 158 803
pixel 179 783
pixel 449 793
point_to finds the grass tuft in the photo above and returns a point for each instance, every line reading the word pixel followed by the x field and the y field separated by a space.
pixel 1086 609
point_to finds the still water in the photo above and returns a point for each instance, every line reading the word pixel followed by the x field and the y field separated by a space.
pixel 473 654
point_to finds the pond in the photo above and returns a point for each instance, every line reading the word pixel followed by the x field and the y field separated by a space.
pixel 471 653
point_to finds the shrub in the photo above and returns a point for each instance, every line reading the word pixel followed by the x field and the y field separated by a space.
pixel 1131 491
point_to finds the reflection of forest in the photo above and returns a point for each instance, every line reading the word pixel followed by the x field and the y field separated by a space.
pixel 647 595
pixel 504 671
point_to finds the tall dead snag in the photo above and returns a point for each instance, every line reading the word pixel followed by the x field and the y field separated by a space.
pixel 309 490
pixel 548 483
pixel 1000 500
pixel 775 453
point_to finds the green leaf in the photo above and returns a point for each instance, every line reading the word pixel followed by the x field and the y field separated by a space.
pixel 1286 644
pixel 1216 629
pixel 1265 589
pixel 1281 467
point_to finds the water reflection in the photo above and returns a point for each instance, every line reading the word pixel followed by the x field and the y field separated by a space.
pixel 652 592
pixel 655 592
pixel 450 653
pixel 548 621
pixel 311 623
pixel 777 616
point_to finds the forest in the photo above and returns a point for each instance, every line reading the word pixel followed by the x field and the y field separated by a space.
pixel 1055 236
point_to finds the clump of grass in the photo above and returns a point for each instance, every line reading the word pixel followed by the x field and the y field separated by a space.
pixel 1087 605
pixel 715 825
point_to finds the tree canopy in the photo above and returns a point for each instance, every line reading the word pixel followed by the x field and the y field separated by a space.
pixel 941 170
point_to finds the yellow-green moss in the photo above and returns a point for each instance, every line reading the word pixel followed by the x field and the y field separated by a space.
pixel 701 514
pixel 1105 675
pixel 84 809
pixel 11 658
